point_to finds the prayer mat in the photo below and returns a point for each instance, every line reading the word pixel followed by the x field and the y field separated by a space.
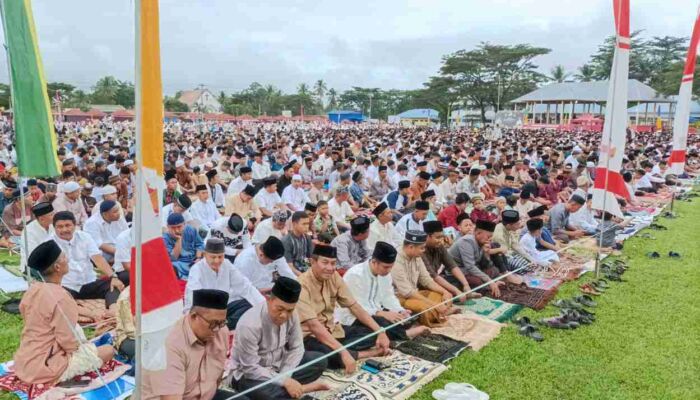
pixel 11 283
pixel 433 348
pixel 470 328
pixel 117 386
pixel 536 299
pixel 539 282
pixel 492 309
pixel 343 389
pixel 404 376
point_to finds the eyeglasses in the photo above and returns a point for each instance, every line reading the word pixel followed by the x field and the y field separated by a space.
pixel 213 325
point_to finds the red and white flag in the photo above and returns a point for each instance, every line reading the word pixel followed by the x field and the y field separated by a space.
pixel 161 300
pixel 680 120
pixel 608 179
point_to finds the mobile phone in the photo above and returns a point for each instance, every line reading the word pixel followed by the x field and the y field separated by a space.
pixel 74 383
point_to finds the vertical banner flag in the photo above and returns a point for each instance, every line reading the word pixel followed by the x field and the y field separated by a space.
pixel 35 136
pixel 680 121
pixel 608 180
pixel 161 301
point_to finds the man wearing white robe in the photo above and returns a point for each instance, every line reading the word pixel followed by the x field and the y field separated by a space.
pixel 263 263
pixel 529 244
pixel 203 209
pixel 294 196
pixel 414 220
pixel 383 229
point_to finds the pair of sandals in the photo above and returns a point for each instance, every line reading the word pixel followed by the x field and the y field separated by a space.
pixel 569 319
pixel 655 254
pixel 576 303
pixel 658 227
pixel 528 329
pixel 595 288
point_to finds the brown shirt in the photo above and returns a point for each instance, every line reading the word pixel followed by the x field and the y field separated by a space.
pixel 235 205
pixel 318 300
pixel 437 260
pixel 409 275
pixel 194 368
pixel 47 341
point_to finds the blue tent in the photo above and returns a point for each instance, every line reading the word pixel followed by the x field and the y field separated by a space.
pixel 339 116
pixel 420 113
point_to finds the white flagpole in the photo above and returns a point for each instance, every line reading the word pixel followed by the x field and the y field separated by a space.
pixel 137 206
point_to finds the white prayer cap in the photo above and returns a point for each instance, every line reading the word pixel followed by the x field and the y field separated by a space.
pixel 109 189
pixel 128 162
pixel 179 163
pixel 590 164
pixel 70 187
pixel 296 178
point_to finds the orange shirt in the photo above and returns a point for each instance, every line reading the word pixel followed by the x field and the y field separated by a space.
pixel 47 340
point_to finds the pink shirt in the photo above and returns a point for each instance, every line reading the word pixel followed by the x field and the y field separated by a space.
pixel 47 340
pixel 194 368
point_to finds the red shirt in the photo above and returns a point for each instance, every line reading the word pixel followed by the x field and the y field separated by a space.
pixel 448 216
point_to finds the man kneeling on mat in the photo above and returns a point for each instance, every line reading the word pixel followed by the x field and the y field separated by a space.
pixel 53 347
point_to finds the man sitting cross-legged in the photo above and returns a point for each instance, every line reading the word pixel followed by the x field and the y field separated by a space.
pixel 322 289
pixel 371 284
pixel 269 341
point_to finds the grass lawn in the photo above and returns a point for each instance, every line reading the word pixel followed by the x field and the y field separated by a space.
pixel 644 345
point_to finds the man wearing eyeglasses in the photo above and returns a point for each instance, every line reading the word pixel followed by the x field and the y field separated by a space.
pixel 195 350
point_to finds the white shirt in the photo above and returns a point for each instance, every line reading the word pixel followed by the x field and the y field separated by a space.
pixel 123 253
pixel 407 223
pixel 261 171
pixel 261 276
pixel 103 232
pixel 96 208
pixel 79 251
pixel 216 195
pixel 541 257
pixel 228 279
pixel 384 233
pixel 264 230
pixel 234 243
pixel 583 219
pixel 237 185
pixel 267 200
pixel 36 235
pixel 167 210
pixel 340 211
pixel 204 212
pixel 295 198
pixel 374 293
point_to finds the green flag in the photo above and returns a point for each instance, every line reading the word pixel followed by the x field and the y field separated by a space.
pixel 35 138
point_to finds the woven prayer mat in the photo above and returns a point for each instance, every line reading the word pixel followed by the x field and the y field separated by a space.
pixel 405 376
pixel 433 348
pixel 493 309
pixel 118 386
pixel 470 328
pixel 343 389
pixel 536 299
pixel 539 282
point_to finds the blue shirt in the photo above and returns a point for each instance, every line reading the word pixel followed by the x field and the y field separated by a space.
pixel 393 198
pixel 191 243
pixel 356 192
pixel 507 192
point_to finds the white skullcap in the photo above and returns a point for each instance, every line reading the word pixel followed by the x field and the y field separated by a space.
pixel 109 189
pixel 179 163
pixel 296 178
pixel 70 187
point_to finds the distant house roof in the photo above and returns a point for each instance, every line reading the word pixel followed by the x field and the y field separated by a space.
pixel 92 113
pixel 107 108
pixel 341 112
pixel 590 92
pixel 420 113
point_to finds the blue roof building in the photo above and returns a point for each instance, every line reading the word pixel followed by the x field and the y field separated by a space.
pixel 339 116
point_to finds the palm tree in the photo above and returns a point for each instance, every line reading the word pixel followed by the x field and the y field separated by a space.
pixel 585 73
pixel 559 74
pixel 320 90
pixel 303 90
pixel 332 99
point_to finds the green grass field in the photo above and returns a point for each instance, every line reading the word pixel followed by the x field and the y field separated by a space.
pixel 644 345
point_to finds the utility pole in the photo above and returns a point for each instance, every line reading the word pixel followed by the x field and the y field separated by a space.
pixel 370 106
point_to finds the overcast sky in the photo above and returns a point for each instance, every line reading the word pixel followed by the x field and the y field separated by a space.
pixel 227 44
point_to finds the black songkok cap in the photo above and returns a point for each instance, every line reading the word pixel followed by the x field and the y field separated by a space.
pixel 578 199
pixel 431 227
pixel 404 184
pixel 44 256
pixel 485 225
pixel 310 207
pixel 269 181
pixel 380 208
pixel 325 251
pixel 424 175
pixel 273 248
pixel 43 208
pixel 286 289
pixel 214 246
pixel 359 224
pixel 415 237
pixel 427 194
pixel 422 205
pixel 184 201
pixel 246 170
pixel 384 252
pixel 250 190
pixel 235 223
pixel 210 298
pixel 510 217
pixel 199 188
pixel 537 212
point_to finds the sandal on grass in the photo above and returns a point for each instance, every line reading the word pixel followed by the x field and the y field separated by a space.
pixel 653 254
pixel 589 289
pixel 585 300
pixel 673 254
pixel 531 332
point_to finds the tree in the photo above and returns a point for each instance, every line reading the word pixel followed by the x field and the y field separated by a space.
pixel 664 54
pixel 442 94
pixel 601 61
pixel 174 105
pixel 492 75
pixel 105 90
pixel 125 95
pixel 78 99
pixel 558 74
pixel 320 91
pixel 669 81
pixel 332 99
pixel 5 96
pixel 66 90
pixel 585 73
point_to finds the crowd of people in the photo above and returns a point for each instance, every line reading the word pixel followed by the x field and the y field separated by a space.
pixel 301 238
